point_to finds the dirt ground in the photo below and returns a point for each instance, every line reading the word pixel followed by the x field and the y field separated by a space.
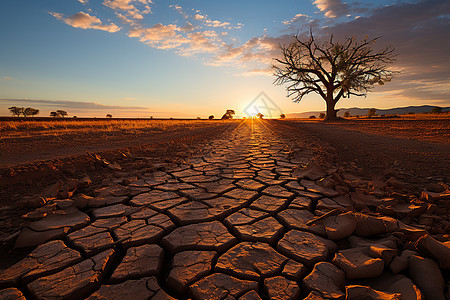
pixel 413 151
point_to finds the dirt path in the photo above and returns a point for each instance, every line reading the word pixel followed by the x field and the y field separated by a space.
pixel 235 221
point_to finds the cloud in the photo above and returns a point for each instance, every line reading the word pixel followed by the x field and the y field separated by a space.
pixel 70 104
pixel 298 17
pixel 6 77
pixel 258 71
pixel 85 21
pixel 159 36
pixel 199 17
pixel 332 8
pixel 131 9
pixel 217 23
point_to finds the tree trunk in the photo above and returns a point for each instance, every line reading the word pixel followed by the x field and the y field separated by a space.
pixel 331 112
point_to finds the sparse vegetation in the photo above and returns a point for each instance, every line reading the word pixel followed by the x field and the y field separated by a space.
pixel 372 112
pixel 436 110
pixel 61 113
pixel 332 69
pixel 228 114
pixel 29 111
pixel 76 126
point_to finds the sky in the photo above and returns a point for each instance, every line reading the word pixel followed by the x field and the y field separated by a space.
pixel 195 58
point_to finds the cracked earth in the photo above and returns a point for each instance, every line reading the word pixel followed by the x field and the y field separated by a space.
pixel 250 217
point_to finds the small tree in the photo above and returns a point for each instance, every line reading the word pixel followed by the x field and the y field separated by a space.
pixel 53 114
pixel 322 116
pixel 16 111
pixel 61 113
pixel 27 111
pixel 199 118
pixel 228 114
pixel 436 110
pixel 211 117
pixel 260 115
pixel 334 70
pixel 109 116
pixel 282 116
pixel 346 114
pixel 372 112
pixel 312 117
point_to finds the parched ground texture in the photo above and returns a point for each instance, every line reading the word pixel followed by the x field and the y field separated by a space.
pixel 266 210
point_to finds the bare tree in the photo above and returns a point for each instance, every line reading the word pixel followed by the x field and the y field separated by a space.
pixel 332 69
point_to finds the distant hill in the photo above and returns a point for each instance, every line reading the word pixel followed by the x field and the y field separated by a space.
pixel 363 111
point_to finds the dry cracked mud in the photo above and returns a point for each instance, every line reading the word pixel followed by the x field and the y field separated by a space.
pixel 251 217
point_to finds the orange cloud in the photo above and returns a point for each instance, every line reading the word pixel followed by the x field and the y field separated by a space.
pixel 85 21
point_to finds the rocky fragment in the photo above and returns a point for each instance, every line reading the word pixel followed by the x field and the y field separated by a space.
pixel 371 226
pixel 152 197
pixel 249 184
pixel 326 280
pixel 221 286
pixel 138 262
pixel 357 292
pixel 281 288
pixel 70 218
pixel 301 203
pixel 30 238
pixel 245 216
pixel 202 236
pixel 252 295
pixel 269 204
pixel 357 264
pixel 294 270
pixel 142 289
pixel 426 275
pixel 312 171
pixel 137 232
pixel 305 247
pixel 11 294
pixel 266 230
pixel 189 266
pixel 111 211
pixel 339 226
pixel 277 191
pixel 75 282
pixel 297 219
pixel 439 251
pixel 251 261
pixel 313 187
pixel 401 262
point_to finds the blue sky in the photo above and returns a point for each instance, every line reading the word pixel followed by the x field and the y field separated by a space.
pixel 140 58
